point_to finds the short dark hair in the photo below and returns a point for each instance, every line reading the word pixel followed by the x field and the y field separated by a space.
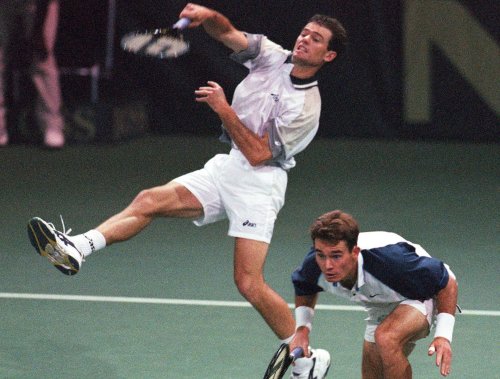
pixel 338 42
pixel 336 226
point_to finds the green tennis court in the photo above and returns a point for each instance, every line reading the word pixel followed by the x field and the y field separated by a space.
pixel 164 305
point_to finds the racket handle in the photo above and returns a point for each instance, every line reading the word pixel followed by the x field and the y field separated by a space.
pixel 297 353
pixel 182 23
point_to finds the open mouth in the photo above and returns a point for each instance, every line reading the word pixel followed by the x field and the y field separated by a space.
pixel 301 48
pixel 331 277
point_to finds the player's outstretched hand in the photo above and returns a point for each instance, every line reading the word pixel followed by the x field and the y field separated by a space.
pixel 442 348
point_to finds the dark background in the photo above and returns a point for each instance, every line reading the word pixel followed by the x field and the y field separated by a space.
pixel 362 93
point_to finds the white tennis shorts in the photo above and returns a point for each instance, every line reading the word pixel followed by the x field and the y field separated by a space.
pixel 377 314
pixel 249 197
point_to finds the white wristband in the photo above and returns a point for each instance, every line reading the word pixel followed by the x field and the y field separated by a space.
pixel 303 317
pixel 444 326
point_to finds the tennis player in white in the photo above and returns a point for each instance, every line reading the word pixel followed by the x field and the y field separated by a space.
pixel 403 289
pixel 274 115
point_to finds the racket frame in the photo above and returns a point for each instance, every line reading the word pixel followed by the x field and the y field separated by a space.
pixel 281 360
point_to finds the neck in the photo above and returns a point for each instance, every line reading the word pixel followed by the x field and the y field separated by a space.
pixel 304 72
pixel 351 280
pixel 348 283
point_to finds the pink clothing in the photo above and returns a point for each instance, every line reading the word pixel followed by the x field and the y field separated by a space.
pixel 44 72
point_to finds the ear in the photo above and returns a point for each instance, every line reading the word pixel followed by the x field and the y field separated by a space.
pixel 356 250
pixel 330 56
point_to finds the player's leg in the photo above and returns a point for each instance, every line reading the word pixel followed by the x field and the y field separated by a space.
pixel 46 80
pixel 66 253
pixel 394 339
pixel 371 366
pixel 169 200
pixel 193 195
pixel 249 258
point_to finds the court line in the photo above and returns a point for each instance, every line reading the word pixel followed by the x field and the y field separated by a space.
pixel 211 303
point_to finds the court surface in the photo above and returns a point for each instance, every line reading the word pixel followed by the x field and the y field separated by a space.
pixel 164 305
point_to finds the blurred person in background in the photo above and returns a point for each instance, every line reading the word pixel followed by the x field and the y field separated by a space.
pixel 35 22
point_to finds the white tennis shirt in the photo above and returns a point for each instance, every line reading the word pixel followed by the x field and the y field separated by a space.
pixel 270 100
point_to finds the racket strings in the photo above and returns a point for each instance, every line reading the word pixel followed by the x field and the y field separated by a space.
pixel 159 43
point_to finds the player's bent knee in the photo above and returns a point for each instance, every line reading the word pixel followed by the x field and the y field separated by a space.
pixel 144 202
pixel 386 342
pixel 244 285
pixel 249 288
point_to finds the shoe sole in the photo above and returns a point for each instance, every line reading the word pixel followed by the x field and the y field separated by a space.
pixel 326 372
pixel 324 375
pixel 44 241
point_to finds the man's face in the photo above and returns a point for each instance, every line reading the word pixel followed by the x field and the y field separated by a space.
pixel 336 262
pixel 311 46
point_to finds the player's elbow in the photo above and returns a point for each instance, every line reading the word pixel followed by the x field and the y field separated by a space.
pixel 262 154
pixel 447 298
pixel 256 162
pixel 452 285
pixel 260 157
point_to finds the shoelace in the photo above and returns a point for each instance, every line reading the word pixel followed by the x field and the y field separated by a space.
pixel 66 232
pixel 64 226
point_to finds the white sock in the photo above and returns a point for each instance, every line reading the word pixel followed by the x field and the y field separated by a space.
pixel 89 242
pixel 287 340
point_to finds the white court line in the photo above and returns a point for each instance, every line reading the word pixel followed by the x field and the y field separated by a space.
pixel 211 303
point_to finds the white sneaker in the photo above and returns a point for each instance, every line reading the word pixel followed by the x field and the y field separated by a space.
pixel 320 365
pixel 54 245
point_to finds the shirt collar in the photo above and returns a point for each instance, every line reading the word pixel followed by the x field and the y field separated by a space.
pixel 361 274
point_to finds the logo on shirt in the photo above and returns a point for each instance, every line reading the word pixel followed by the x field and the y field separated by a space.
pixel 275 97
pixel 249 224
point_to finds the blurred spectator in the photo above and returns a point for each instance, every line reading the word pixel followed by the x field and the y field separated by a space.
pixel 34 23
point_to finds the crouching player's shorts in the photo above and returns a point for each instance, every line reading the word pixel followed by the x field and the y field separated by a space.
pixel 377 314
pixel 249 197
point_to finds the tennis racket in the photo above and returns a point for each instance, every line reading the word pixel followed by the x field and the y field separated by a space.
pixel 281 360
pixel 164 43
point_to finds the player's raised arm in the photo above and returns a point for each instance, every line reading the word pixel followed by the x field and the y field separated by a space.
pixel 441 345
pixel 216 25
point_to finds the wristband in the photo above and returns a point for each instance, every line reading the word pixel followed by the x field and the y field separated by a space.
pixel 303 317
pixel 444 326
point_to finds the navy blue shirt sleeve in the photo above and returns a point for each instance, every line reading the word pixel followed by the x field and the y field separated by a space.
pixel 305 277
pixel 399 267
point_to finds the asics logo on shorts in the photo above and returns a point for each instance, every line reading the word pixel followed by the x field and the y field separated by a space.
pixel 249 224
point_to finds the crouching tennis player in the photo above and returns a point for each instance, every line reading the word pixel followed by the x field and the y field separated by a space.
pixel 403 289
